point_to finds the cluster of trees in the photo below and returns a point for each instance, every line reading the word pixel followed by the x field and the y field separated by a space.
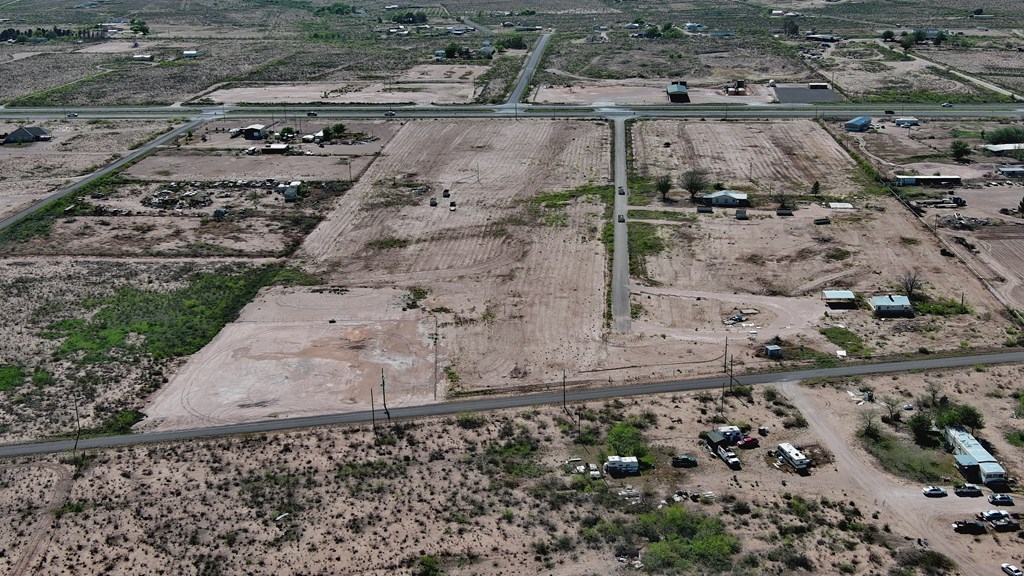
pixel 933 409
pixel 49 34
pixel 909 39
pixel 334 132
pixel 790 27
pixel 410 18
pixel 336 9
pixel 138 26
pixel 1006 135
pixel 693 181
pixel 510 42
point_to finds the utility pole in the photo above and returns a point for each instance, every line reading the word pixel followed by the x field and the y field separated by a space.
pixel 564 405
pixel 373 416
pixel 78 426
pixel 384 393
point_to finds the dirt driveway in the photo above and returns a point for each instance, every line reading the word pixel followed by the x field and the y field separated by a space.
pixel 918 515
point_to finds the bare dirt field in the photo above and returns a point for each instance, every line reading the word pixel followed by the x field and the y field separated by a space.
pixel 772 261
pixel 77 148
pixel 482 493
pixel 872 69
pixel 636 91
pixel 497 281
pixel 421 84
pixel 790 154
pixel 998 64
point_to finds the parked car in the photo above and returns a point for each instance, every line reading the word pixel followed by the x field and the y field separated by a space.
pixel 310 114
pixel 1005 525
pixel 969 527
pixel 622 191
pixel 1011 570
pixel 622 218
pixel 934 491
pixel 991 515
pixel 1001 499
pixel 967 490
pixel 684 461
pixel 749 442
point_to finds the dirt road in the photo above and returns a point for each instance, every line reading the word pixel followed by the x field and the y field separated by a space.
pixel 916 515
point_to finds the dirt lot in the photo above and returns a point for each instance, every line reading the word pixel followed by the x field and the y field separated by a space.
pixel 776 260
pixel 636 92
pixel 482 494
pixel 78 147
pixel 871 69
pixel 480 267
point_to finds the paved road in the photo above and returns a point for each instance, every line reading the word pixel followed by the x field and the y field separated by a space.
pixel 731 111
pixel 131 157
pixel 503 402
pixel 621 318
pixel 531 66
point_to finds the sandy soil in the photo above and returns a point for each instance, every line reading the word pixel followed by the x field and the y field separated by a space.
pixel 195 165
pixel 788 153
pixel 636 91
pixel 422 84
pixel 296 353
pixel 120 46
pixel 77 148
pixel 858 70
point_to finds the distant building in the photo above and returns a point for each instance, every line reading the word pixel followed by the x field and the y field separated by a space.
pixel 1002 149
pixel 892 305
pixel 28 134
pixel 773 351
pixel 276 148
pixel 678 92
pixel 142 57
pixel 253 132
pixel 823 37
pixel 1012 171
pixel 190 53
pixel 726 198
pixel 839 298
pixel 486 52
pixel 935 180
pixel 858 124
pixel 906 122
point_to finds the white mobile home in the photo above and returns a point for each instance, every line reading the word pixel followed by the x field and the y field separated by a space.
pixel 794 457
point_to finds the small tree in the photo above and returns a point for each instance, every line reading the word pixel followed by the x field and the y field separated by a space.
pixel 920 426
pixel 782 197
pixel 961 415
pixel 790 27
pixel 893 406
pixel 694 181
pixel 663 184
pixel 933 389
pixel 959 150
pixel 869 425
pixel 907 42
pixel 452 50
pixel 888 35
pixel 910 281
pixel 816 188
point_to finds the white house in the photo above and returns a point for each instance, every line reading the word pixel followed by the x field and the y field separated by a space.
pixel 726 198
pixel 892 305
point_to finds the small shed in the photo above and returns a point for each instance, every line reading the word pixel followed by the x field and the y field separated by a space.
pixel 839 298
pixel 190 53
pixel 773 351
pixel 840 206
pixel 741 214
pixel 858 124
pixel 142 57
pixel 892 305
pixel 716 439
pixel 276 148
pixel 1003 149
pixel 1012 171
pixel 705 210
pixel 784 212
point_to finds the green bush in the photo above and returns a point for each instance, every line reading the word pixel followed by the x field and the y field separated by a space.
pixel 11 376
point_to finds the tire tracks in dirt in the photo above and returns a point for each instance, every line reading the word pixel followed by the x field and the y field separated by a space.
pixel 42 529
pixel 902 500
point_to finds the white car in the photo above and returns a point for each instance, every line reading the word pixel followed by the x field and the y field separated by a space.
pixel 933 491
pixel 993 515
pixel 1011 570
pixel 1001 499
